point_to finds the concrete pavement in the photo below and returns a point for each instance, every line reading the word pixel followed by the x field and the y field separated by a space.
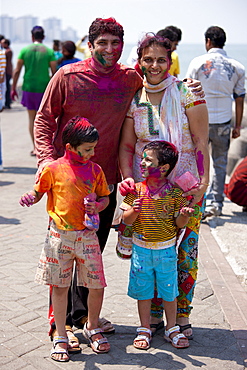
pixel 219 316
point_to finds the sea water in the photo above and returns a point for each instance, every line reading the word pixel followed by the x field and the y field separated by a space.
pixel 186 53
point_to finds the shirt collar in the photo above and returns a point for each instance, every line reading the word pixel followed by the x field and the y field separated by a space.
pixel 217 50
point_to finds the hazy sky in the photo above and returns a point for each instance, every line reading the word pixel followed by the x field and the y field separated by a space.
pixel 139 16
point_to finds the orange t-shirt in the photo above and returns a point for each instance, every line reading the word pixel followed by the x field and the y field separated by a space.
pixel 67 181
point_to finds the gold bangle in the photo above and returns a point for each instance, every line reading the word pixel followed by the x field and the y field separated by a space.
pixel 204 183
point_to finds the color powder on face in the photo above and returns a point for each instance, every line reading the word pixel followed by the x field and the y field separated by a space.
pixel 144 70
pixel 100 58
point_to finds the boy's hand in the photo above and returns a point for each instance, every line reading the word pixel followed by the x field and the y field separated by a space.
pixel 91 207
pixel 27 199
pixel 137 205
pixel 187 211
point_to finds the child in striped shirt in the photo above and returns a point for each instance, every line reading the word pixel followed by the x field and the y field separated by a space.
pixel 156 212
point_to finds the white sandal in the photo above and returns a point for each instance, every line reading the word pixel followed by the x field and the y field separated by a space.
pixel 143 337
pixel 59 351
pixel 174 341
pixel 94 344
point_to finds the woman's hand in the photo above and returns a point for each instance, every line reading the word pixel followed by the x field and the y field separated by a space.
pixel 127 186
pixel 196 194
pixel 187 211
pixel 196 86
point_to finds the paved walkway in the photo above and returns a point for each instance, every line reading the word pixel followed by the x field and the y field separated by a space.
pixel 219 314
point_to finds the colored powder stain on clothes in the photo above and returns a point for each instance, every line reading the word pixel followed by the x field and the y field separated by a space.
pixel 200 166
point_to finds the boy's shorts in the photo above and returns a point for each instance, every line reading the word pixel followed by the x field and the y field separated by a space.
pixel 57 258
pixel 150 267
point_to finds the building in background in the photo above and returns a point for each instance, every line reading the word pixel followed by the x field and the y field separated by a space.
pixel 52 27
pixel 18 29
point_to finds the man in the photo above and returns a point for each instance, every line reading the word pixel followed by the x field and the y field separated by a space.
pixel 100 90
pixel 221 77
pixel 9 70
pixel 174 34
pixel 2 92
pixel 37 59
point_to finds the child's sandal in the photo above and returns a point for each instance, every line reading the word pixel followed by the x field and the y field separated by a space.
pixel 177 338
pixel 142 337
pixel 59 351
pixel 95 344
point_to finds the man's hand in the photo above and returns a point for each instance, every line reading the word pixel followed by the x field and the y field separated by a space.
pixel 14 95
pixel 236 132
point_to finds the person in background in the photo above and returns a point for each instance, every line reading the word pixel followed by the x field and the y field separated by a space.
pixel 56 48
pixel 82 47
pixel 37 59
pixel 68 52
pixel 2 92
pixel 222 77
pixel 9 70
pixel 236 190
pixel 174 34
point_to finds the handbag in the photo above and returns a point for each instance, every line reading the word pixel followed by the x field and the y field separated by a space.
pixel 124 244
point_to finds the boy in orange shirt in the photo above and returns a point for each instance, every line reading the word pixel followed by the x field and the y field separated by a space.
pixel 67 182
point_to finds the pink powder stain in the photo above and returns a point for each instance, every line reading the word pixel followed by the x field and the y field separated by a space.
pixel 200 160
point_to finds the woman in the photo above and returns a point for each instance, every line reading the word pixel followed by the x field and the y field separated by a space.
pixel 166 109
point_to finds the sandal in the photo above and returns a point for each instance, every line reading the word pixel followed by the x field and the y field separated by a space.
pixel 72 339
pixel 185 327
pixel 60 351
pixel 177 338
pixel 155 327
pixel 95 344
pixel 106 326
pixel 143 337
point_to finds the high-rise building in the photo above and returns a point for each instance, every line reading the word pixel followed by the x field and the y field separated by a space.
pixel 7 27
pixel 23 27
pixel 52 28
pixel 69 34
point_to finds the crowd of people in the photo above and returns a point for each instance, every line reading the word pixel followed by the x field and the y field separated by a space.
pixel 160 128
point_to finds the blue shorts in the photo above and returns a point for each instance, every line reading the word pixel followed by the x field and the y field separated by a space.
pixel 150 267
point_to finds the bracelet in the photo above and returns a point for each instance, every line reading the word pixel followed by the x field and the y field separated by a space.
pixel 204 183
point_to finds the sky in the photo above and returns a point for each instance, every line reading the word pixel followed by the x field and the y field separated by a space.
pixel 140 16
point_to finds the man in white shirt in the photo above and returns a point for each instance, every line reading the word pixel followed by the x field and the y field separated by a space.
pixel 223 79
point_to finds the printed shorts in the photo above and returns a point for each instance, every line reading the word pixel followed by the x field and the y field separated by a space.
pixel 62 248
pixel 149 266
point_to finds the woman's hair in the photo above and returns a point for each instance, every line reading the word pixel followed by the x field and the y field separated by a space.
pixel 166 153
pixel 70 47
pixel 101 26
pixel 79 130
pixel 151 39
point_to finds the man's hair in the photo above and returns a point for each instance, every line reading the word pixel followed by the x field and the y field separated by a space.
pixel 168 34
pixel 166 153
pixel 79 130
pixel 216 35
pixel 151 39
pixel 38 33
pixel 177 31
pixel 6 41
pixel 101 26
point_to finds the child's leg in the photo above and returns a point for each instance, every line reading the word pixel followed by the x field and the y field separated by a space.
pixel 144 315
pixel 171 314
pixel 59 300
pixel 95 300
